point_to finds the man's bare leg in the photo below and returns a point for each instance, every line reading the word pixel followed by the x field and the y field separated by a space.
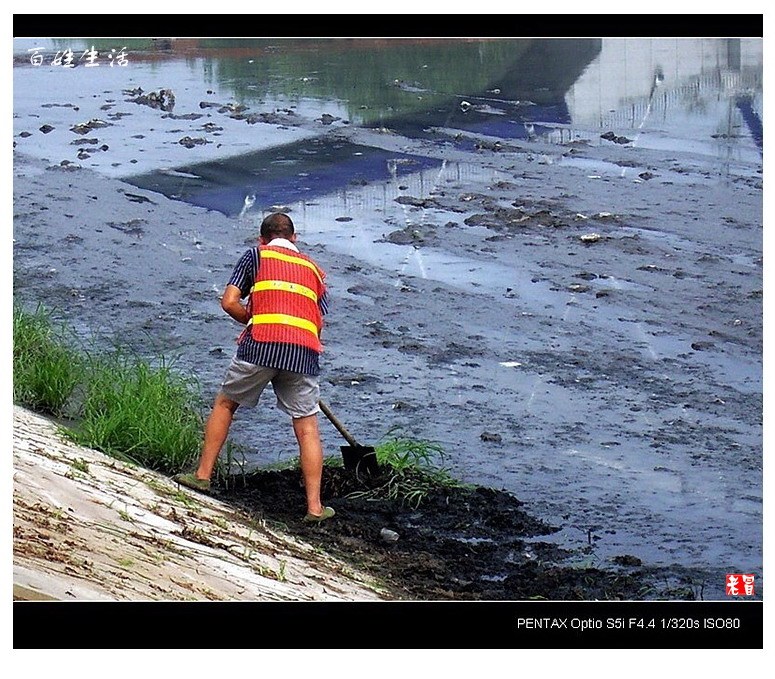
pixel 311 459
pixel 216 431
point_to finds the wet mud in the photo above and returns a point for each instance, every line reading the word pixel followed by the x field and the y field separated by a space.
pixel 471 543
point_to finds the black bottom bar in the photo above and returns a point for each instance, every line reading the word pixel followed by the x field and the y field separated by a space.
pixel 735 624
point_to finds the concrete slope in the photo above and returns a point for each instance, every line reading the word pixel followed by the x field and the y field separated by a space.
pixel 91 528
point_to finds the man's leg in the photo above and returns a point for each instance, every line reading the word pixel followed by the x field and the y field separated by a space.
pixel 311 458
pixel 216 431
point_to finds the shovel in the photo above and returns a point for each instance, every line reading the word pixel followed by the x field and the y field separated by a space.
pixel 357 458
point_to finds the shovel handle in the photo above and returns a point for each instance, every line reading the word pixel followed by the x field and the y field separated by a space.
pixel 348 437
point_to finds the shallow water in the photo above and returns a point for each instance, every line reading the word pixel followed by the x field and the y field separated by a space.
pixel 693 96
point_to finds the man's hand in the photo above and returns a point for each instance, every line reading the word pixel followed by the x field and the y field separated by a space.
pixel 231 304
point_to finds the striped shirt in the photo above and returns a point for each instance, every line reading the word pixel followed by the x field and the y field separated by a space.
pixel 278 355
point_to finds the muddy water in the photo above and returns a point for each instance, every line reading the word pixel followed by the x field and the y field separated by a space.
pixel 614 383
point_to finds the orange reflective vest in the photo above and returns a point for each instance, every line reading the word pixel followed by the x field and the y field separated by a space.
pixel 284 298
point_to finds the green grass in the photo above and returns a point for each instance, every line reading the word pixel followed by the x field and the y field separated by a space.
pixel 121 404
pixel 137 411
pixel 411 471
pixel 46 369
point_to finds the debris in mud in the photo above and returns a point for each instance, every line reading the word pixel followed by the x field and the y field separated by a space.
pixel 388 535
pixel 605 217
pixel 211 127
pixel 135 198
pixel 164 99
pixel 327 119
pixel 351 379
pixel 424 203
pixel 411 235
pixel 489 437
pixel 45 129
pixel 578 287
pixel 627 560
pixel 501 219
pixel 610 136
pixel 66 165
pixel 183 116
pixel 191 142
pixel 286 117
pixel 85 128
pixel 134 227
pixel 233 109
pixel 590 238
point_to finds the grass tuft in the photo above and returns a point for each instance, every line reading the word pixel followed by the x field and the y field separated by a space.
pixel 410 471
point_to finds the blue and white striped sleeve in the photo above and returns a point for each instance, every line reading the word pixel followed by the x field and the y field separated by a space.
pixel 244 274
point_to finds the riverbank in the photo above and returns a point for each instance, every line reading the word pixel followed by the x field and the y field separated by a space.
pixel 87 527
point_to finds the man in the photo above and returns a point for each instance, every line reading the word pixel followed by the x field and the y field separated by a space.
pixel 280 344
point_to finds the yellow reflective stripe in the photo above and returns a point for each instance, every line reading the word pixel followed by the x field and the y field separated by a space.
pixel 284 319
pixel 285 286
pixel 293 260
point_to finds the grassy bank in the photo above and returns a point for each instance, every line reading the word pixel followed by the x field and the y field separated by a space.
pixel 150 414
pixel 121 404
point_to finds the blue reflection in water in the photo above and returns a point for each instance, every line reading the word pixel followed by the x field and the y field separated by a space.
pixel 752 120
pixel 283 175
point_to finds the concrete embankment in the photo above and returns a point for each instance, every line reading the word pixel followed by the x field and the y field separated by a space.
pixel 87 527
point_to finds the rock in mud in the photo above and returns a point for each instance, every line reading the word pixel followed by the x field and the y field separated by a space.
pixel 164 99
pixel 610 136
pixel 410 236
pixel 388 535
pixel 191 142
pixel 490 437
pixel 85 128
pixel 417 202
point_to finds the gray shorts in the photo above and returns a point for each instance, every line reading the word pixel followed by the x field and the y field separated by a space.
pixel 297 394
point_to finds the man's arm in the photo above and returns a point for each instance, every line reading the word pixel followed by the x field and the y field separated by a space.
pixel 231 304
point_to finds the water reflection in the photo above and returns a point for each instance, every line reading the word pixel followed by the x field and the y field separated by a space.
pixel 697 95
pixel 288 174
pixel 702 96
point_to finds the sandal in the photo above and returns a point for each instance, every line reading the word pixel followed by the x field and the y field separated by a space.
pixel 328 512
pixel 193 482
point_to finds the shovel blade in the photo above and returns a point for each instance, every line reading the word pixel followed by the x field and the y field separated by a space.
pixel 360 459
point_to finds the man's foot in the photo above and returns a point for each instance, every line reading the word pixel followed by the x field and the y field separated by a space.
pixel 328 512
pixel 193 482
